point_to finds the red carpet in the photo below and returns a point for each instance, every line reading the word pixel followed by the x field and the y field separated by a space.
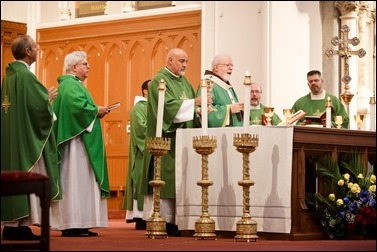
pixel 122 236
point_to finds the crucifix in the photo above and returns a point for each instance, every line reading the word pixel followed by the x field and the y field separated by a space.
pixel 345 53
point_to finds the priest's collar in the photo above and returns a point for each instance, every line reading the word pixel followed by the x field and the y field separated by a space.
pixel 208 72
pixel 255 107
pixel 23 62
pixel 172 72
pixel 320 96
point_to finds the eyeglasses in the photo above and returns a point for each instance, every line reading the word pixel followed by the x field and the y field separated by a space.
pixel 227 65
pixel 255 91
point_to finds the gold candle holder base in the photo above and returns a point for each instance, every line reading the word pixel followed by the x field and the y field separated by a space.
pixel 246 227
pixel 156 225
pixel 204 226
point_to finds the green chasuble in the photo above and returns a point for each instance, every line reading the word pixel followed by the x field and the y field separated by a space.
pixel 138 122
pixel 26 134
pixel 223 95
pixel 316 107
pixel 257 117
pixel 177 90
pixel 76 110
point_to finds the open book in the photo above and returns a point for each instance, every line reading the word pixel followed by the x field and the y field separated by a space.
pixel 316 118
pixel 294 118
pixel 113 106
pixel 297 116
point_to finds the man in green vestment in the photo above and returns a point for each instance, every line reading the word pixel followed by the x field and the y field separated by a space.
pixel 82 156
pixel 133 201
pixel 257 116
pixel 225 110
pixel 27 139
pixel 314 103
pixel 179 112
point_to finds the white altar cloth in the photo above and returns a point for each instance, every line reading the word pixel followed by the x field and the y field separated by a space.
pixel 270 168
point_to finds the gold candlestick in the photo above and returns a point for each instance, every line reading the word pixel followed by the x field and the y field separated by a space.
pixel 204 226
pixel 156 225
pixel 246 226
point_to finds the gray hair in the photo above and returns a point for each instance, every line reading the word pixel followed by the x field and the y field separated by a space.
pixel 73 58
pixel 218 59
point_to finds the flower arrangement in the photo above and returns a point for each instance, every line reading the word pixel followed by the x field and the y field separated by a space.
pixel 350 205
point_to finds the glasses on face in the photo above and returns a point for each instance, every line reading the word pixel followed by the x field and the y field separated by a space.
pixel 227 65
pixel 86 64
pixel 255 92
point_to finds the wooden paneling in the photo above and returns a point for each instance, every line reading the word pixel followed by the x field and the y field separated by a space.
pixel 122 54
pixel 9 31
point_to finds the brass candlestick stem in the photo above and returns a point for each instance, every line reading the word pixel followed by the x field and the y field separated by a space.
pixel 204 226
pixel 156 225
pixel 246 226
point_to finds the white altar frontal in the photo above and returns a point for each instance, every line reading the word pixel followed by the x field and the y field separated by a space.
pixel 270 168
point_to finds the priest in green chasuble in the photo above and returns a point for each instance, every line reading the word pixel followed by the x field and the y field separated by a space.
pixel 82 156
pixel 225 110
pixel 257 116
pixel 133 201
pixel 27 139
pixel 314 103
pixel 179 112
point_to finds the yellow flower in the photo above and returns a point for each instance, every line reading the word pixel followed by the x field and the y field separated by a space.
pixel 360 176
pixel 332 196
pixel 355 188
pixel 340 182
pixel 372 188
pixel 346 176
pixel 339 202
pixel 350 185
pixel 373 178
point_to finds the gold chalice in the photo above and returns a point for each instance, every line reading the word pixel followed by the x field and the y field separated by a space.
pixel 288 115
pixel 359 119
pixel 338 121
pixel 269 112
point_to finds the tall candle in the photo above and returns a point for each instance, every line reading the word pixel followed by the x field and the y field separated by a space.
pixel 328 113
pixel 246 107
pixel 204 108
pixel 160 108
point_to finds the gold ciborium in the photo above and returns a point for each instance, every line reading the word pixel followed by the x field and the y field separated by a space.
pixel 246 226
pixel 288 115
pixel 269 112
pixel 359 119
pixel 338 119
pixel 205 226
pixel 156 225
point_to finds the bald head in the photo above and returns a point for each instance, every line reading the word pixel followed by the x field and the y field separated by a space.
pixel 176 61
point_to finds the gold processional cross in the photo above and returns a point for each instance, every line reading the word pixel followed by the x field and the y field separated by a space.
pixel 345 53
pixel 6 104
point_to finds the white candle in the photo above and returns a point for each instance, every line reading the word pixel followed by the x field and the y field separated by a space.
pixel 328 113
pixel 160 108
pixel 204 108
pixel 246 107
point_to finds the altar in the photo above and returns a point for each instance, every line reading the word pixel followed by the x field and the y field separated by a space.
pixel 270 169
pixel 278 168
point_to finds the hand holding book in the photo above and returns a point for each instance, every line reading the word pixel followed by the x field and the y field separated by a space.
pixel 113 106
